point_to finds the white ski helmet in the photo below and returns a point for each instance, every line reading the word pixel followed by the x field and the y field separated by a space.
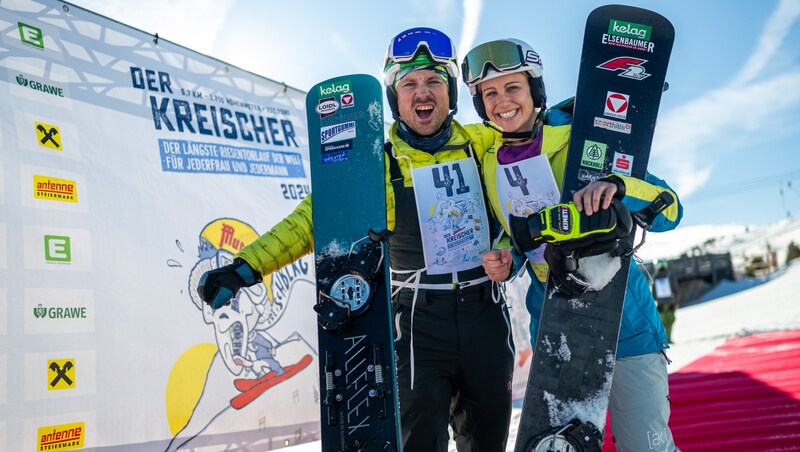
pixel 496 58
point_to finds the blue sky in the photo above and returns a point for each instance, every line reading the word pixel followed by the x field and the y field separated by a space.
pixel 727 137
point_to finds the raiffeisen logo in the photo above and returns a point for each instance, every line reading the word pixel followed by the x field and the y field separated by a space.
pixel 61 437
pixel 53 189
pixel 335 88
pixel 629 35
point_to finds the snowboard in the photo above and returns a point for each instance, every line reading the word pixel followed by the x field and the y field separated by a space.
pixel 622 70
pixel 358 388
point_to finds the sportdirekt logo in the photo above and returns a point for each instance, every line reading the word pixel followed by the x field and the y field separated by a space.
pixel 77 312
pixel 61 437
pixel 53 189
pixel 629 29
pixel 334 88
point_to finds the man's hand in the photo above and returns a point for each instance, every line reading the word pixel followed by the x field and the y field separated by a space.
pixel 497 264
pixel 218 286
pixel 593 197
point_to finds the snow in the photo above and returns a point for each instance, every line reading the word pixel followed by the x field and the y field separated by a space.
pixel 732 309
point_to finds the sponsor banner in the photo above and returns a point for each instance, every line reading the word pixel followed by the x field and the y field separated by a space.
pixel 49 311
pixel 62 373
pixel 61 437
pixel 627 67
pixel 131 167
pixel 616 105
pixel 629 35
pixel 57 248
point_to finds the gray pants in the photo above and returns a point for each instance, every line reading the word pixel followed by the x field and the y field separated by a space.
pixel 639 404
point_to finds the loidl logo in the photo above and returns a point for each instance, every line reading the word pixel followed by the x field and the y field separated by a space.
pixel 629 29
pixel 327 107
pixel 61 374
pixel 631 67
pixel 616 105
pixel 335 88
pixel 61 437
pixel 347 100
pixel 53 189
pixel 31 35
pixel 57 248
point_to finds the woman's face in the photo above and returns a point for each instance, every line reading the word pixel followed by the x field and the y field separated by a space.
pixel 508 102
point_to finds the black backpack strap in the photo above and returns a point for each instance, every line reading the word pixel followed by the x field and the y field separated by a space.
pixel 394 168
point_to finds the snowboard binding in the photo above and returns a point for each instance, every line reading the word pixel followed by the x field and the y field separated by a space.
pixel 576 436
pixel 352 290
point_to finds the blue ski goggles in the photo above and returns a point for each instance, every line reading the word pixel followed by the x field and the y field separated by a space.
pixel 405 46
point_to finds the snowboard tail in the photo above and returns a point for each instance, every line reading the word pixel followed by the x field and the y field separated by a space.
pixel 358 388
pixel 623 66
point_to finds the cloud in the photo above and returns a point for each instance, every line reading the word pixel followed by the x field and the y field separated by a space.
pixel 748 101
pixel 190 23
pixel 469 28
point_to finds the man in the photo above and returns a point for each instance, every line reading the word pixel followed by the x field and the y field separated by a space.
pixel 666 295
pixel 452 334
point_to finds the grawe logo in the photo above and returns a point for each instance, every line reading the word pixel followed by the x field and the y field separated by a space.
pixel 74 312
pixel 594 154
pixel 61 437
pixel 38 86
pixel 57 248
pixel 54 189
pixel 31 35
pixel 334 88
pixel 629 29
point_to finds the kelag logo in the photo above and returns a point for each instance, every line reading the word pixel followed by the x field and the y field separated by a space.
pixel 629 29
pixel 61 437
pixel 57 248
pixel 31 35
pixel 54 189
pixel 335 88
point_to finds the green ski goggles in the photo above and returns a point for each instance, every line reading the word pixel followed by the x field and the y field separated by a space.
pixel 500 56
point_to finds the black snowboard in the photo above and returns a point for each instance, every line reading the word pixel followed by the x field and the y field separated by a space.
pixel 358 400
pixel 623 66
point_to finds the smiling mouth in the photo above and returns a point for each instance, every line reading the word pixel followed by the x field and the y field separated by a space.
pixel 508 114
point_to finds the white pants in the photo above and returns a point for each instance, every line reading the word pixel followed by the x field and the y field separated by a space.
pixel 639 404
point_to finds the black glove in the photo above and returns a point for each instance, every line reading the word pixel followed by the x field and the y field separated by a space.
pixel 218 286
pixel 564 272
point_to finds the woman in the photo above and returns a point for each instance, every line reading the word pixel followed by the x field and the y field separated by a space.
pixel 505 80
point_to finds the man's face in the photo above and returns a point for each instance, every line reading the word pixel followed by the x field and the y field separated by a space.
pixel 423 101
